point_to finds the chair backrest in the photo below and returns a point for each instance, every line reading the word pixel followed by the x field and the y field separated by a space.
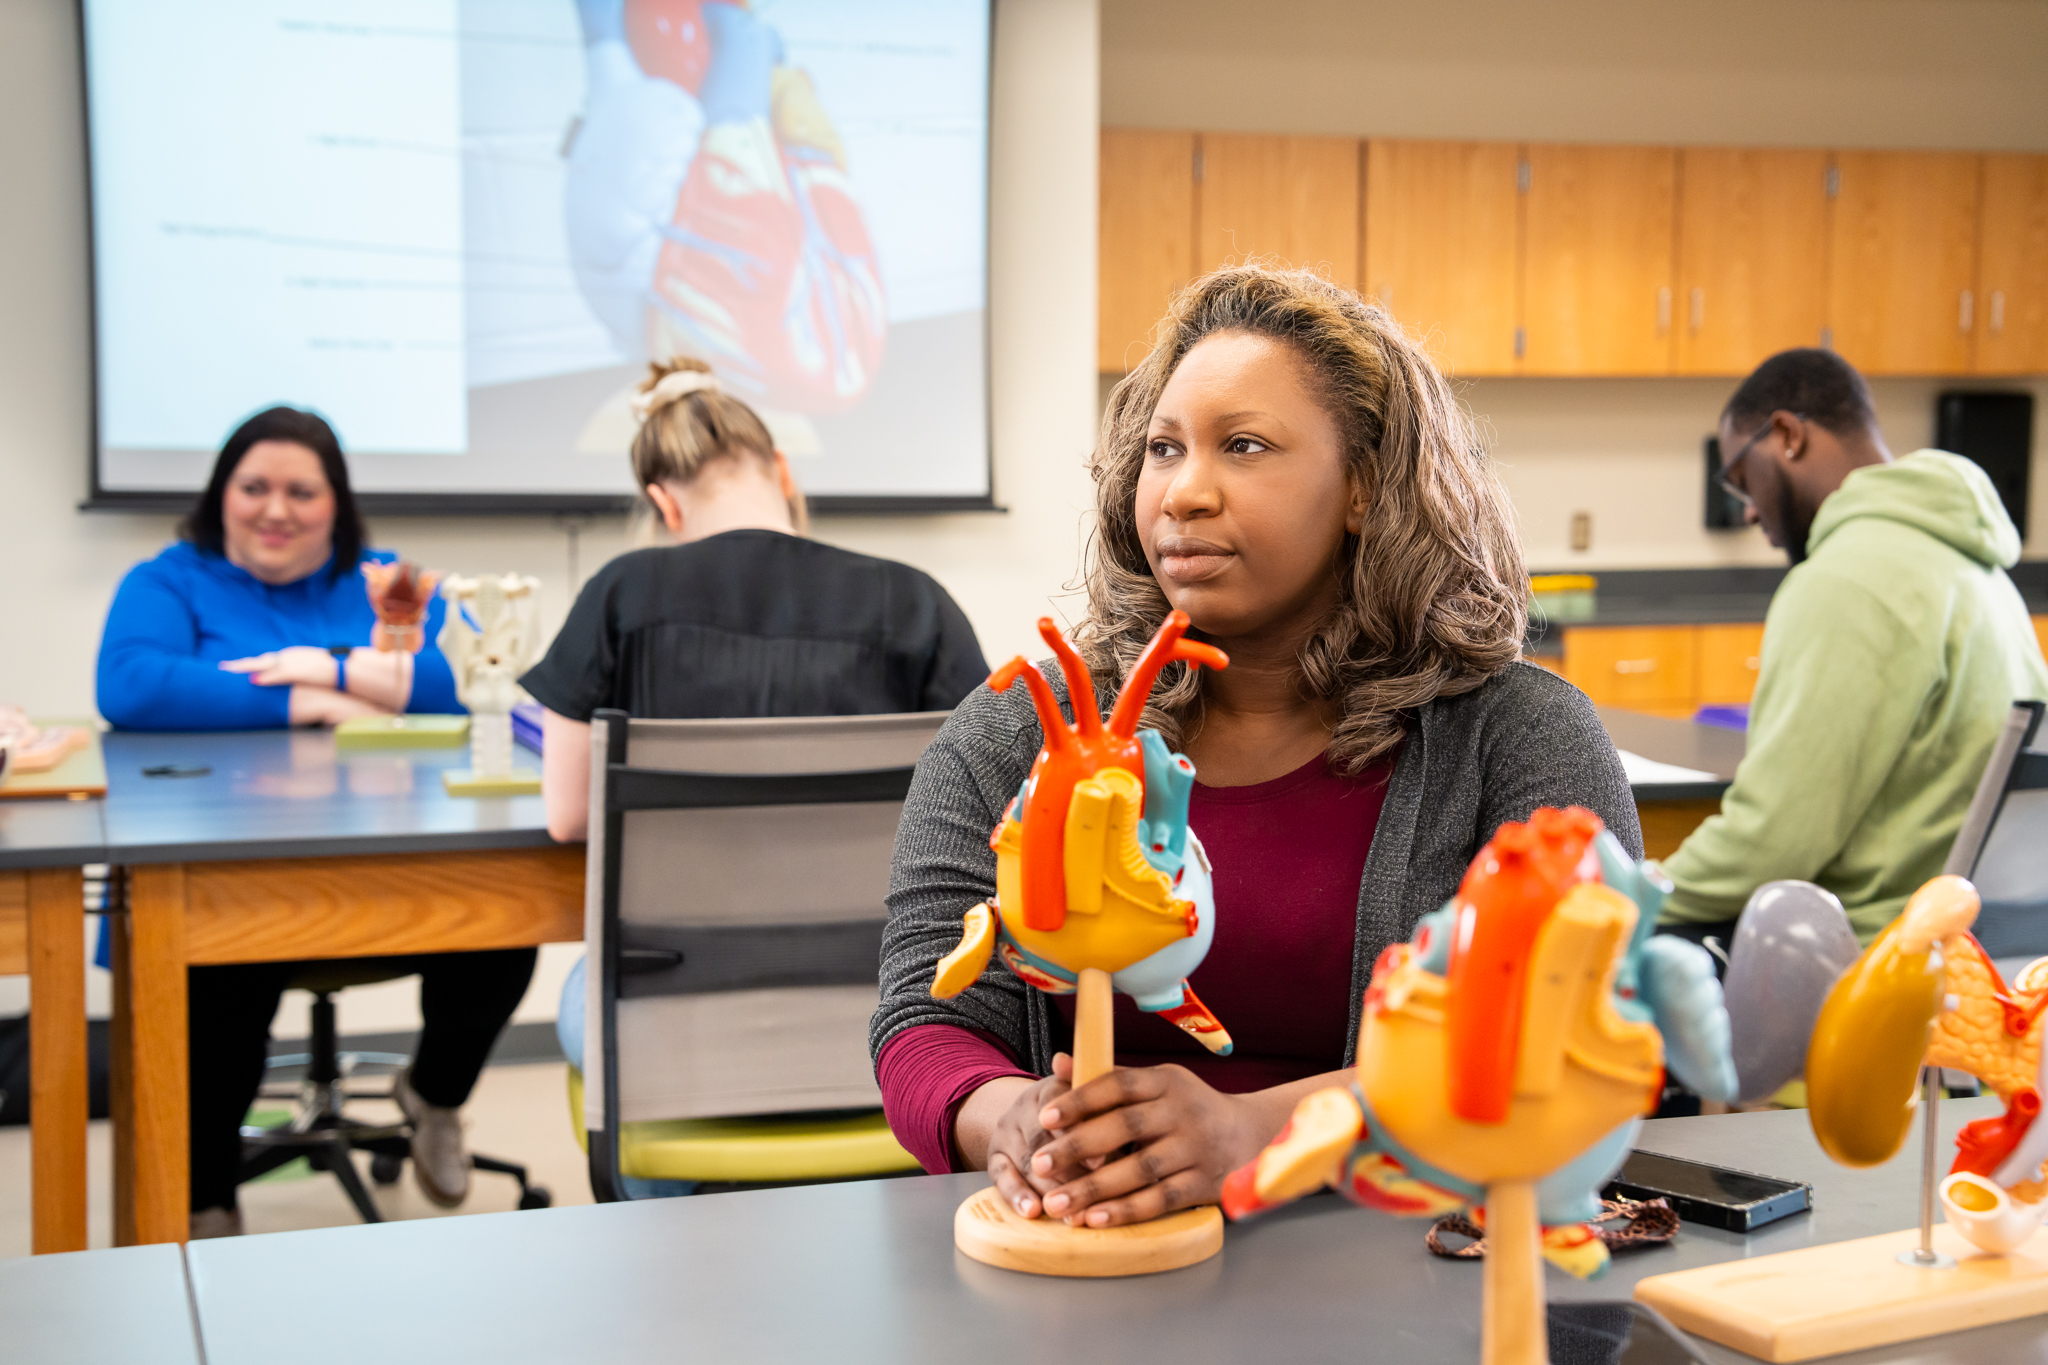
pixel 734 906
pixel 2003 844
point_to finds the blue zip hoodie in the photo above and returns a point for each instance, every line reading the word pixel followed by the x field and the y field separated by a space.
pixel 175 618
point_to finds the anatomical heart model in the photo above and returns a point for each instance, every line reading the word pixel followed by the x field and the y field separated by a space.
pixel 1100 886
pixel 1506 1056
pixel 1926 994
pixel 1923 996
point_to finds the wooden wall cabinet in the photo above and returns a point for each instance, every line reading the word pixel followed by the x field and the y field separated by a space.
pixel 1443 248
pixel 1293 200
pixel 1642 668
pixel 1729 659
pixel 1902 273
pixel 1665 670
pixel 1145 238
pixel 1598 226
pixel 1752 256
pixel 1600 260
pixel 2012 266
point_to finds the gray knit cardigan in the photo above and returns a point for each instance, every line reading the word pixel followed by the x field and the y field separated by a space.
pixel 1525 738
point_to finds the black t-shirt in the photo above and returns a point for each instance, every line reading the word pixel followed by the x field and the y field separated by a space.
pixel 758 623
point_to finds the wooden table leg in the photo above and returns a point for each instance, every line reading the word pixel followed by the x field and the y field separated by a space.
pixel 57 1066
pixel 120 1087
pixel 152 1154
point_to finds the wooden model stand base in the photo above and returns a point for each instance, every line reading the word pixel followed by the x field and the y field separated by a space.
pixel 465 782
pixel 992 1232
pixel 1848 1296
pixel 424 731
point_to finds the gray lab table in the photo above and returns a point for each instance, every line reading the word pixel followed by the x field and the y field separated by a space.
pixel 127 1306
pixel 43 831
pixel 281 845
pixel 1683 743
pixel 1671 811
pixel 296 794
pixel 866 1271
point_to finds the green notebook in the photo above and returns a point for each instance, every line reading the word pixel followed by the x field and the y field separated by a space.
pixel 403 732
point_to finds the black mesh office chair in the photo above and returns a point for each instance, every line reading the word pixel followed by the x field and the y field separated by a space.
pixel 323 1080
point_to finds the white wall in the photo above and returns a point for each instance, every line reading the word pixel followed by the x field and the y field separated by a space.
pixel 58 566
pixel 1826 73
pixel 1629 452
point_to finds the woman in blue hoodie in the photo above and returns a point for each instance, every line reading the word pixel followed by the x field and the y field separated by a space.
pixel 259 618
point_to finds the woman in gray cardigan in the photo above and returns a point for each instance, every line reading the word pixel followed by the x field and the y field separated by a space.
pixel 1289 469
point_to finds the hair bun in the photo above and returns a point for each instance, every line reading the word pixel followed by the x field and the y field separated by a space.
pixel 673 387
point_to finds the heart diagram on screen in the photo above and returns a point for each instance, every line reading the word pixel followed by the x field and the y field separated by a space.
pixel 710 208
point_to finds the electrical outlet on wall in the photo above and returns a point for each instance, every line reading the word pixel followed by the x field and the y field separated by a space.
pixel 1582 530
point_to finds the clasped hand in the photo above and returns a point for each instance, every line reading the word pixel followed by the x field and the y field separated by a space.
pixel 297 665
pixel 1128 1146
pixel 313 674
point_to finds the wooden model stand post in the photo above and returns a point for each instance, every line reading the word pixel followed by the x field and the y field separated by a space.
pixel 1513 1328
pixel 989 1230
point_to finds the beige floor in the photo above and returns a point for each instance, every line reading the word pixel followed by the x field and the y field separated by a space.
pixel 518 1113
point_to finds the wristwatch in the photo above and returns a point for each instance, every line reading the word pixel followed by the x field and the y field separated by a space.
pixel 341 653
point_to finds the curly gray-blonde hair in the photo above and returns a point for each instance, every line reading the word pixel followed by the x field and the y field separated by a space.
pixel 1432 595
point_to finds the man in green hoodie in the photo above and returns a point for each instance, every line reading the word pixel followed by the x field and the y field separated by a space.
pixel 1892 653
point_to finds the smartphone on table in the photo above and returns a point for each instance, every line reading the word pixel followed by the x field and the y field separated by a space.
pixel 1714 1196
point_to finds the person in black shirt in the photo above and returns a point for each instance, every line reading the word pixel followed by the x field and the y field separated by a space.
pixel 743 615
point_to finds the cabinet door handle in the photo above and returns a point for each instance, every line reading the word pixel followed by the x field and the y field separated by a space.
pixel 1663 309
pixel 1699 308
pixel 1997 311
pixel 1635 665
pixel 1754 663
pixel 1966 312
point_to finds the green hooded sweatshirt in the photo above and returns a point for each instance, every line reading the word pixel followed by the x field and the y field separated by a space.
pixel 1891 658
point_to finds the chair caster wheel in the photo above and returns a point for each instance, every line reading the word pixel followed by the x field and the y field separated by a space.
pixel 385 1170
pixel 536 1197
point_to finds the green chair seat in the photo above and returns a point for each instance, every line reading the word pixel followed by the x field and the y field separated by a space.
pixel 770 1147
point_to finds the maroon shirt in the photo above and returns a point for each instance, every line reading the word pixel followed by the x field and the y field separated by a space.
pixel 1288 857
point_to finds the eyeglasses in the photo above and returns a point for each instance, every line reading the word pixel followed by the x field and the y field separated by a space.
pixel 1728 485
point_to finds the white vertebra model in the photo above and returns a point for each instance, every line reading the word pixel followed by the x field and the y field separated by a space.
pixel 491 631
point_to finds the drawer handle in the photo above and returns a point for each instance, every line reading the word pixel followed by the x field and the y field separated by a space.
pixel 1635 665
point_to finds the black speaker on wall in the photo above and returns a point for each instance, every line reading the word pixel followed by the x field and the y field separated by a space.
pixel 1724 509
pixel 1997 431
